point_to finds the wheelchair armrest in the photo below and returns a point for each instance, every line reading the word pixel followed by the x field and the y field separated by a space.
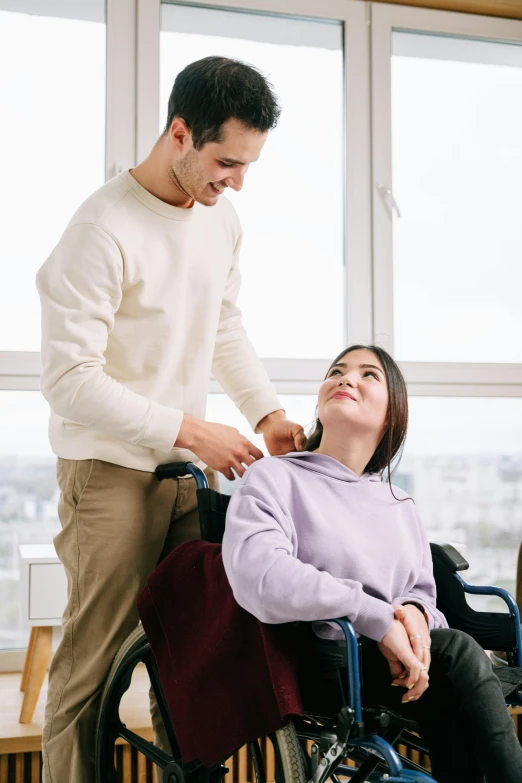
pixel 512 607
pixel 449 555
pixel 492 590
pixel 352 666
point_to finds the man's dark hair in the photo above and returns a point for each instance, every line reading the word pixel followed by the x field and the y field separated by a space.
pixel 210 91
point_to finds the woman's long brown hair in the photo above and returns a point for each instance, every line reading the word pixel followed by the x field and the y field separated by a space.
pixel 393 439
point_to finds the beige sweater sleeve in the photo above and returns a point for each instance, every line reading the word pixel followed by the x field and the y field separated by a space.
pixel 80 288
pixel 236 365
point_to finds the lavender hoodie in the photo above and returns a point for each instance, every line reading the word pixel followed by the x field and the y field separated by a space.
pixel 308 539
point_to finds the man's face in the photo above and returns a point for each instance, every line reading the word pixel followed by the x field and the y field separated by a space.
pixel 204 174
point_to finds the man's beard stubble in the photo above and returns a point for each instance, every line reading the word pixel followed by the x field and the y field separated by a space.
pixel 187 178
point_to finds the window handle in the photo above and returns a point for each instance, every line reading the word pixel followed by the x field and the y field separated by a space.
pixel 389 198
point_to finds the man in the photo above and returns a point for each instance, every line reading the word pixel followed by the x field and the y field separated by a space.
pixel 138 305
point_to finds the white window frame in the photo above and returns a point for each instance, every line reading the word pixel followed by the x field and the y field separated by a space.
pixel 424 378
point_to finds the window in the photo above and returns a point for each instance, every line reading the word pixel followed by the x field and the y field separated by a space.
pixel 52 148
pixel 462 464
pixel 291 207
pixel 457 165
pixel 28 499
pixel 447 154
pixel 446 157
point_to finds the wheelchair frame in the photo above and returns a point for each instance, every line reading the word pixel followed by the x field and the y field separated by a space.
pixel 348 738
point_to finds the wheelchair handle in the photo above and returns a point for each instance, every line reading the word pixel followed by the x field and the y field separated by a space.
pixel 180 469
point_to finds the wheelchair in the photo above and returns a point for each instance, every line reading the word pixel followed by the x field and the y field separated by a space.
pixel 361 744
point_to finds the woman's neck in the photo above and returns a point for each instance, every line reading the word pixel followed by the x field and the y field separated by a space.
pixel 355 454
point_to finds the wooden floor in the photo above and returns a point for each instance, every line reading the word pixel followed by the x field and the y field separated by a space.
pixel 16 737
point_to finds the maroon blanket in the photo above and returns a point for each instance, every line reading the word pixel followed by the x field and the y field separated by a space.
pixel 227 677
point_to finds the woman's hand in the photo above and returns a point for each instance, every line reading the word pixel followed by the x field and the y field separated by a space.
pixel 417 629
pixel 405 667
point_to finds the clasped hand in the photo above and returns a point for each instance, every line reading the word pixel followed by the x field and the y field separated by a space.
pixel 406 648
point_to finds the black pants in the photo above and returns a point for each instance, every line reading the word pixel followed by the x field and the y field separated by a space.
pixel 462 716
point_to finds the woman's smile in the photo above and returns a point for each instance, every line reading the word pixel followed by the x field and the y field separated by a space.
pixel 341 394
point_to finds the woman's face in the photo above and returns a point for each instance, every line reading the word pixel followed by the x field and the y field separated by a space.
pixel 355 395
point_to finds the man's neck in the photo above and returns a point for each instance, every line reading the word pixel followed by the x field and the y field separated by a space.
pixel 152 175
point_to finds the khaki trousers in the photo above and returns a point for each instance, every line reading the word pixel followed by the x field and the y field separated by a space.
pixel 117 524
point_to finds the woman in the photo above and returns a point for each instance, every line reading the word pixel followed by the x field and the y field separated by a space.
pixel 318 534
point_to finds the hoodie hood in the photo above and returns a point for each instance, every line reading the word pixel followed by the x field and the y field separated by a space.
pixel 327 466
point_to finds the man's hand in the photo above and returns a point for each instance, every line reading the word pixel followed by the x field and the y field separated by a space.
pixel 417 629
pixel 280 434
pixel 219 446
pixel 405 667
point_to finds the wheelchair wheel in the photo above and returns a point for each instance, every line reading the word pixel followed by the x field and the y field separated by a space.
pixel 288 756
pixel 109 727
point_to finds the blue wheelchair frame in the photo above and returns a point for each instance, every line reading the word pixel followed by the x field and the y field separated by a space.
pixel 373 742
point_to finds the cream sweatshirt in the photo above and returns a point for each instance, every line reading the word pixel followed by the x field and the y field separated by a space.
pixel 138 306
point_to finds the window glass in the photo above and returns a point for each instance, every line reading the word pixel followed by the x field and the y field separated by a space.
pixel 462 464
pixel 457 168
pixel 291 207
pixel 28 499
pixel 52 143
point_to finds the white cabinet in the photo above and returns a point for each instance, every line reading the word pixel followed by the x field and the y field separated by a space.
pixel 44 597
pixel 47 592
pixel 44 585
